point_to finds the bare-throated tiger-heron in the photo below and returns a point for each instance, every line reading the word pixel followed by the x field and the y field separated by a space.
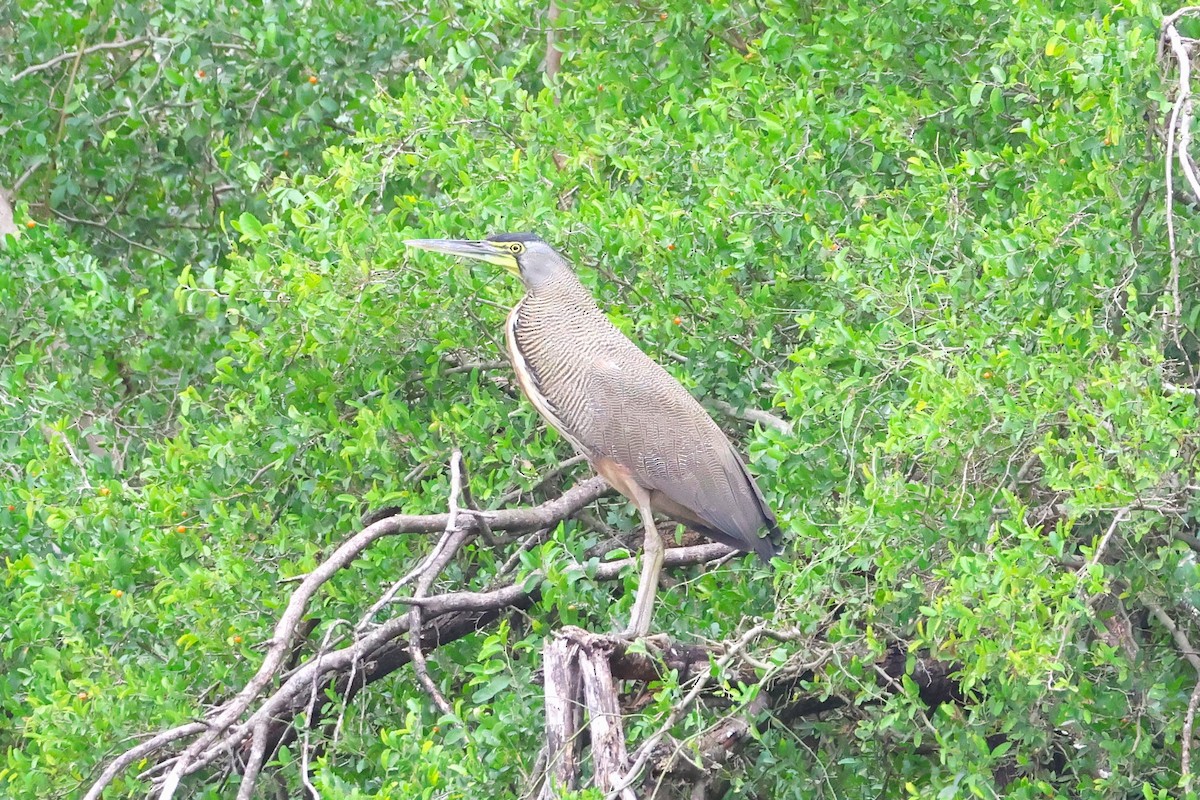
pixel 634 422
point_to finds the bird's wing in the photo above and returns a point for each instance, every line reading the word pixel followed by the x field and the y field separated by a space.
pixel 644 420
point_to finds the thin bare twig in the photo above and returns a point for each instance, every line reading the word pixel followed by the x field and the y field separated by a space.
pixel 1179 135
pixel 51 432
pixel 605 571
pixel 45 65
pixel 1181 639
pixel 1170 388
pixel 1097 554
pixel 751 415
pixel 454 536
pixel 38 161
pixel 111 232
pixel 136 754
pixel 547 477
pixel 1189 721
pixel 1188 652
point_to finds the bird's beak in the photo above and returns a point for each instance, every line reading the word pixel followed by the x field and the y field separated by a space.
pixel 479 251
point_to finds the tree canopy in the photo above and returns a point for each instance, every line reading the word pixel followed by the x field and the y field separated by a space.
pixel 932 265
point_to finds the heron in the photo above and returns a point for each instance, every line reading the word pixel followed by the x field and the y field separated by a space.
pixel 635 423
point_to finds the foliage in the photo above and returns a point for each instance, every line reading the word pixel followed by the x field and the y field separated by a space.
pixel 930 235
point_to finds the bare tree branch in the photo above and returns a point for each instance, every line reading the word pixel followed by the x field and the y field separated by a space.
pixel 122 45
pixel 553 60
pixel 1188 652
pixel 540 516
pixel 222 729
pixel 111 232
pixel 752 415
pixel 453 539
pixel 1170 388
pixel 642 755
pixel 1179 137
pixel 136 754
pixel 564 717
pixel 1189 721
pixel 1181 639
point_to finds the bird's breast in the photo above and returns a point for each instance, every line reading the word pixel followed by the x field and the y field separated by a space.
pixel 543 366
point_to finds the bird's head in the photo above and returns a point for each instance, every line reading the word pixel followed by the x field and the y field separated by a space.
pixel 523 254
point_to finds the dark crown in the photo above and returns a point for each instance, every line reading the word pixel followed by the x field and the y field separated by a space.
pixel 514 237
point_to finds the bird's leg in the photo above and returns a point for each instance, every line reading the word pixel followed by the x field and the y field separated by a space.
pixel 652 561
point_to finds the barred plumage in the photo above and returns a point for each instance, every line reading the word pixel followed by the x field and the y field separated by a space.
pixel 609 399
pixel 636 424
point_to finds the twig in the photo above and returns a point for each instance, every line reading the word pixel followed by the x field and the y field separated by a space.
pixel 515 494
pixel 1102 545
pixel 1097 554
pixel 136 754
pixel 79 54
pixel 1170 388
pixel 752 415
pixel 1181 639
pixel 1179 126
pixel 471 366
pixel 1189 720
pixel 528 542
pixel 455 537
pixel 121 236
pixel 49 432
pixel 605 571
pixel 310 715
pixel 24 176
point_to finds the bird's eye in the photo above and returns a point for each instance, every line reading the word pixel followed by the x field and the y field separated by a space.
pixel 516 248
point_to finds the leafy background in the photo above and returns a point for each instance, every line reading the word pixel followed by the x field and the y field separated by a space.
pixel 929 235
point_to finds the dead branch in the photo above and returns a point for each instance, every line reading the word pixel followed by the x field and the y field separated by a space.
pixel 1181 640
pixel 573 716
pixel 607 731
pixel 143 750
pixel 1189 721
pixel 101 226
pixel 45 65
pixel 1170 388
pixel 1188 652
pixel 454 537
pixel 222 730
pixel 244 732
pixel 564 716
pixel 553 61
pixel 752 415
pixel 1097 553
pixel 1179 137
pixel 372 657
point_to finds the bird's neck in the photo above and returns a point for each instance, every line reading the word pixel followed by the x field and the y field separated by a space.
pixel 565 291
